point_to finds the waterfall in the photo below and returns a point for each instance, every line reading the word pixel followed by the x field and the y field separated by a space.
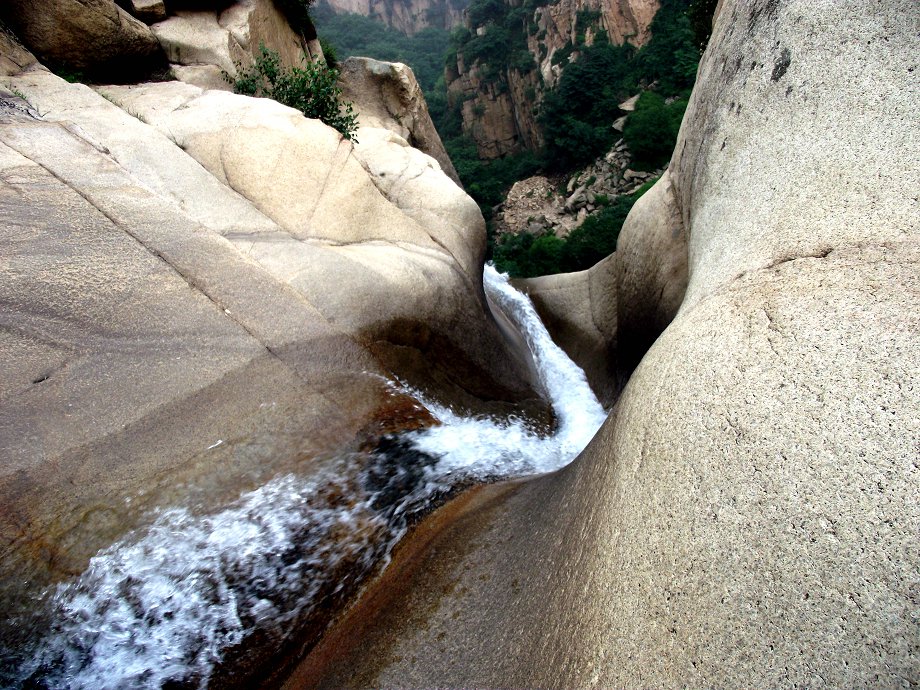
pixel 162 605
pixel 484 448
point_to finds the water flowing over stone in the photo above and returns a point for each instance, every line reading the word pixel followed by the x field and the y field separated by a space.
pixel 164 605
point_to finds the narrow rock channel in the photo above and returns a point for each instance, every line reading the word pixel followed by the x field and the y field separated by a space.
pixel 170 605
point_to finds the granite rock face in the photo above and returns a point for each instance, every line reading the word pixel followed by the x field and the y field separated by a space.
pixel 95 37
pixel 748 514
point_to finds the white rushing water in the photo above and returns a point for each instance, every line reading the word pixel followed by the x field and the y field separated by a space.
pixel 163 605
pixel 486 448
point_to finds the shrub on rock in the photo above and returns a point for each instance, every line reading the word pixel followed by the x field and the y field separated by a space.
pixel 311 89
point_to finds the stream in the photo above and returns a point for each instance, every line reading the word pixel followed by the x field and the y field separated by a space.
pixel 163 607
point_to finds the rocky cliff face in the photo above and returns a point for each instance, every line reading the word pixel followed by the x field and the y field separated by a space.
pixel 534 205
pixel 499 113
pixel 408 16
pixel 748 514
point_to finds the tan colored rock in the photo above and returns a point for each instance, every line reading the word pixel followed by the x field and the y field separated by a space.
pixel 152 158
pixel 629 105
pixel 748 515
pixel 95 37
pixel 207 77
pixel 355 218
pixel 204 44
pixel 651 273
pixel 253 22
pixel 252 145
pixel 387 95
pixel 415 184
pixel 197 38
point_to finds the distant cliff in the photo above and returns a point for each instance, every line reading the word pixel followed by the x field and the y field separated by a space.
pixel 408 16
pixel 515 51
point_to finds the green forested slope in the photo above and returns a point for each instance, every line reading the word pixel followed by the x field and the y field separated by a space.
pixel 575 116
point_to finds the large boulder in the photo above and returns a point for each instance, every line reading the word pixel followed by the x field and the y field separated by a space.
pixel 92 37
pixel 387 95
pixel 748 515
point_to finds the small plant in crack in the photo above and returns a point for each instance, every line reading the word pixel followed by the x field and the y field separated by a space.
pixel 19 94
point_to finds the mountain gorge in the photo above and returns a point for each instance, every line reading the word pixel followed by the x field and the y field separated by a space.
pixel 269 419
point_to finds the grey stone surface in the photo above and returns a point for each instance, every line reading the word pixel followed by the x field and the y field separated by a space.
pixel 748 516
pixel 807 135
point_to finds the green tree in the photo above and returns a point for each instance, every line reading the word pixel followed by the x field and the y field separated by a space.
pixel 596 238
pixel 311 89
pixel 671 56
pixel 577 115
pixel 651 130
